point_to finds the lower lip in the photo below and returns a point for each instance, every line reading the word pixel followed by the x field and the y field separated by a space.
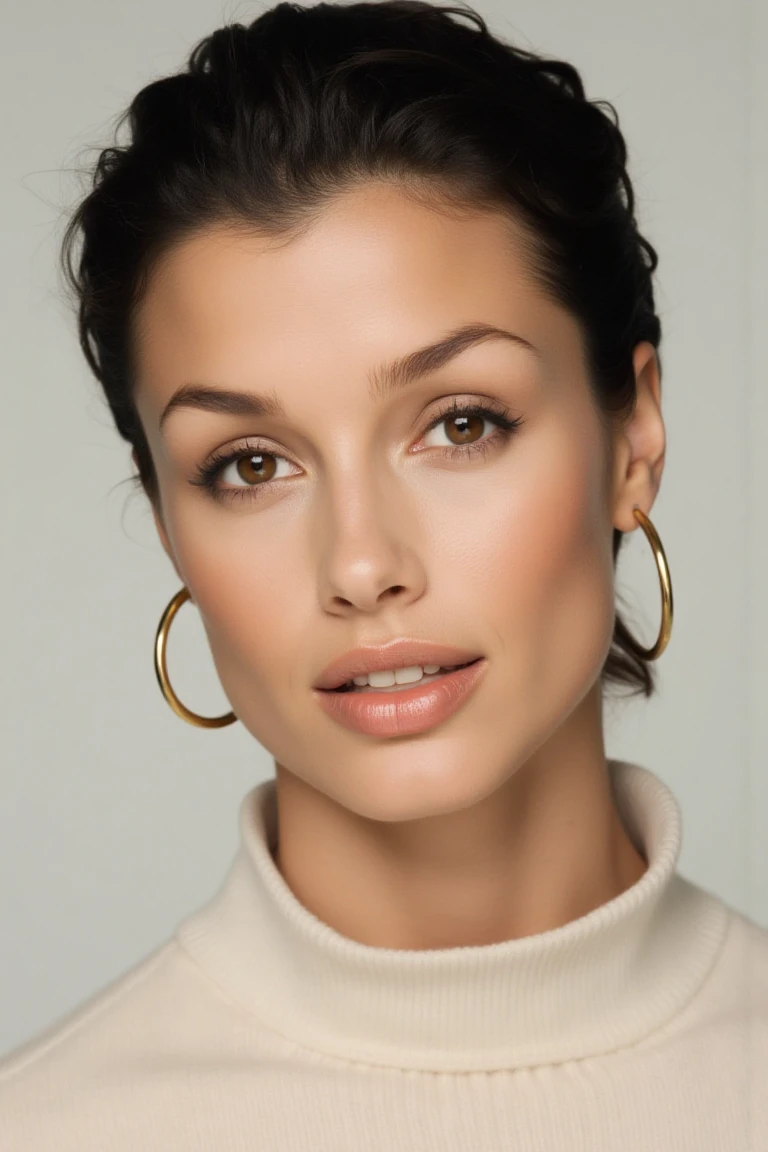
pixel 408 711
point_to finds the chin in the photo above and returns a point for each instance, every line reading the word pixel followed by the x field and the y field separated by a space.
pixel 414 786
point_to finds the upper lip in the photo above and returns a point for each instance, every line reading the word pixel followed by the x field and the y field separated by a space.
pixel 395 654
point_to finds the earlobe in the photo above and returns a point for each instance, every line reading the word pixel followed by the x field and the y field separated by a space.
pixel 652 435
pixel 640 463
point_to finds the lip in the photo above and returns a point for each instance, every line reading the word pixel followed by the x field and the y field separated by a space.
pixel 408 711
pixel 401 653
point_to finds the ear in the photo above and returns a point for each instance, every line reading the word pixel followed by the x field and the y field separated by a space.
pixel 640 444
pixel 161 529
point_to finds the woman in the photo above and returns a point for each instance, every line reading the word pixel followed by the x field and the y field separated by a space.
pixel 368 300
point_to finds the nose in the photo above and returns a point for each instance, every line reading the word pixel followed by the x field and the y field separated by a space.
pixel 370 555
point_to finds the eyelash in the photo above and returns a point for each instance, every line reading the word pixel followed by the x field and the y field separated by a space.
pixel 206 475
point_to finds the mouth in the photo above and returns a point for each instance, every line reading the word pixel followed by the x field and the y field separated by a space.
pixel 425 678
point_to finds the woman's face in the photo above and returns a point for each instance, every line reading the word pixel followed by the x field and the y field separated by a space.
pixel 359 525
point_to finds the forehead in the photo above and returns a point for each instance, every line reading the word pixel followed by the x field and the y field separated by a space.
pixel 372 274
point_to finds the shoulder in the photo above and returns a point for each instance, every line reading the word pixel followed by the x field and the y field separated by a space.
pixel 746 948
pixel 733 998
pixel 82 1072
pixel 133 989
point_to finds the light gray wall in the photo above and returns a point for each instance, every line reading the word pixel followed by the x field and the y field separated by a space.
pixel 116 818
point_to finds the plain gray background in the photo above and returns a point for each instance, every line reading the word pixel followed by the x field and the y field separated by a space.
pixel 117 818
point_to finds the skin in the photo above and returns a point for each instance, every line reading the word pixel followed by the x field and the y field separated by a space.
pixel 499 823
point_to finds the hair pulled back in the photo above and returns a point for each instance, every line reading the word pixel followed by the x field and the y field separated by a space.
pixel 267 122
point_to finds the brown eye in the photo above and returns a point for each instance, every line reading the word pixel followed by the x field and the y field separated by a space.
pixel 252 468
pixel 464 428
pixel 463 425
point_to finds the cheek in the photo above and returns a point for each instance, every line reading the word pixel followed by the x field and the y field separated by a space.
pixel 252 597
pixel 546 575
pixel 527 566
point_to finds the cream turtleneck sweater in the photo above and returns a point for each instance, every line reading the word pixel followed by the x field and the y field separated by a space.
pixel 639 1027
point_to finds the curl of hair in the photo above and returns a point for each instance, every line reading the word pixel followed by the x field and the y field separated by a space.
pixel 267 122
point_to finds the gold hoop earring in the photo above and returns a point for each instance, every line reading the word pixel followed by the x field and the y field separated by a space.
pixel 181 597
pixel 667 607
pixel 161 670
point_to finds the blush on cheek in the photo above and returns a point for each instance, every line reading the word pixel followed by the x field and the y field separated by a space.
pixel 255 627
pixel 573 582
pixel 552 578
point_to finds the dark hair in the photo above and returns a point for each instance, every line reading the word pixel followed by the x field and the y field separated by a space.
pixel 267 122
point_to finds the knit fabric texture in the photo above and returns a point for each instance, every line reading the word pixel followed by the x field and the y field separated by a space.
pixel 255 1027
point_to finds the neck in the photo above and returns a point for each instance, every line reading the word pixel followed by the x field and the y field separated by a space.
pixel 542 849
pixel 601 982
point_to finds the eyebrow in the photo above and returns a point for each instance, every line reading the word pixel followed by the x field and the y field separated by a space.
pixel 382 380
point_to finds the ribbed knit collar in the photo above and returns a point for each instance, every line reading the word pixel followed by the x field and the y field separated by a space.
pixel 600 982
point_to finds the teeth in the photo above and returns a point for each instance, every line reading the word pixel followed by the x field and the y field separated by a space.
pixel 410 675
